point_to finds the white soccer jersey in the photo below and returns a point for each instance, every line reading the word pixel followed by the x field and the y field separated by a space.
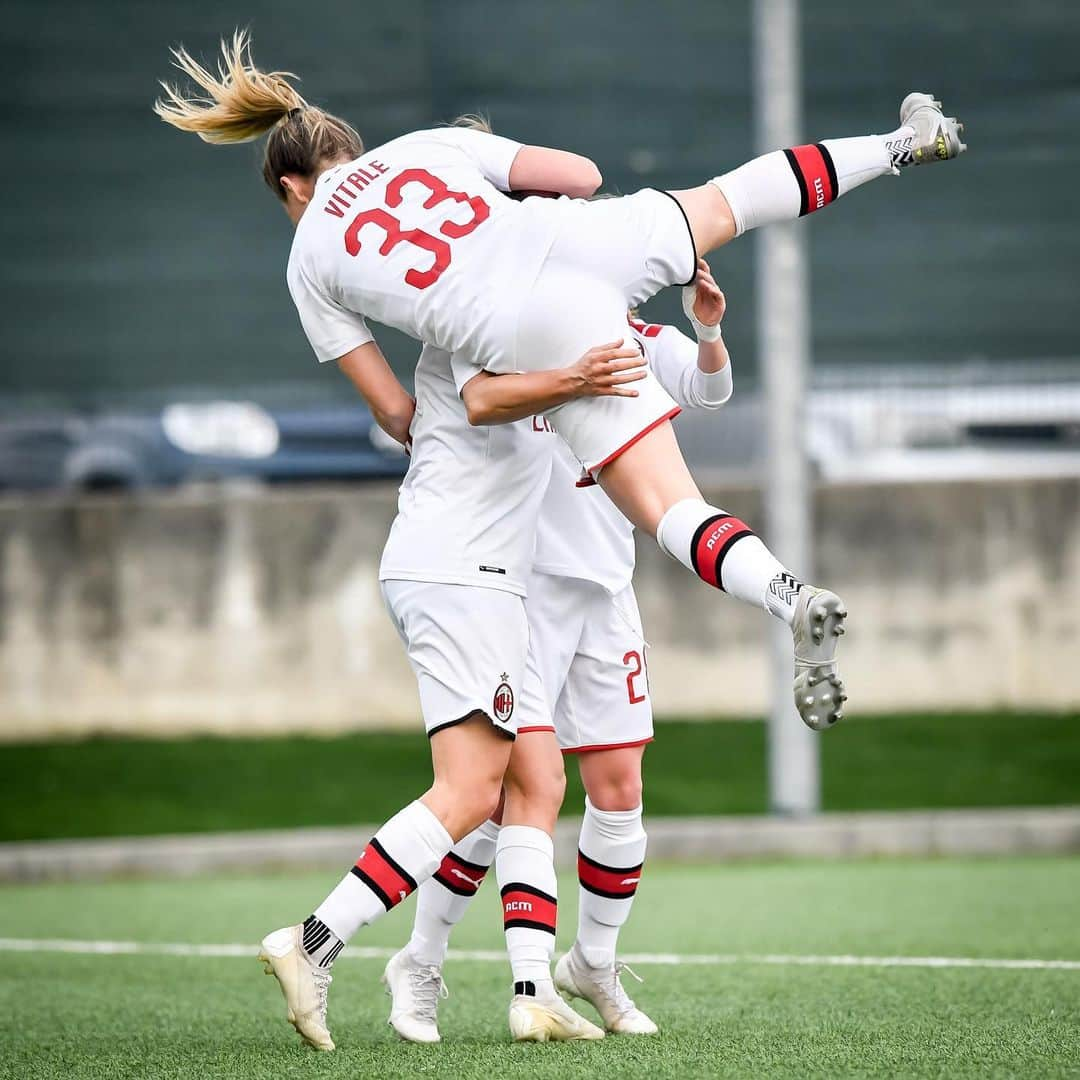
pixel 468 507
pixel 418 234
pixel 580 533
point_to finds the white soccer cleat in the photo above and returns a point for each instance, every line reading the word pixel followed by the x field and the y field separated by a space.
pixel 817 627
pixel 603 989
pixel 937 136
pixel 414 991
pixel 547 1018
pixel 303 984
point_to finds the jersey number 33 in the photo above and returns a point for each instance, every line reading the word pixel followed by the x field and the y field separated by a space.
pixel 395 234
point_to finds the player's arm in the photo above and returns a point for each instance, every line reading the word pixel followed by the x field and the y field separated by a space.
pixel 705 307
pixel 390 403
pixel 696 377
pixel 604 371
pixel 511 166
pixel 559 172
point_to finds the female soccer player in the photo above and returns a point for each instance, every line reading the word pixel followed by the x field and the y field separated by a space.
pixel 419 234
pixel 587 641
pixel 458 606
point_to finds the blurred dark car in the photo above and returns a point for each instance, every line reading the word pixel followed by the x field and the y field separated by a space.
pixel 188 442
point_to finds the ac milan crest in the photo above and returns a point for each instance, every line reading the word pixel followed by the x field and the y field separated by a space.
pixel 503 703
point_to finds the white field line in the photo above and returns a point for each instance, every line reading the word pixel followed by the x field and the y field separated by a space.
pixel 140 948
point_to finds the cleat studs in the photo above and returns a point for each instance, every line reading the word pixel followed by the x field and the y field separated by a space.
pixel 839 630
pixel 826 699
pixel 842 696
pixel 808 700
pixel 812 720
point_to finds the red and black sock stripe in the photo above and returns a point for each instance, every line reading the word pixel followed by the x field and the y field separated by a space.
pixel 815 174
pixel 382 875
pixel 528 908
pixel 459 875
pixel 712 540
pixel 614 882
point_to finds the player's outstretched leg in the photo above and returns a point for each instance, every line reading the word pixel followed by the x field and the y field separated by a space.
pixel 786 184
pixel 611 853
pixel 725 553
pixel 413 976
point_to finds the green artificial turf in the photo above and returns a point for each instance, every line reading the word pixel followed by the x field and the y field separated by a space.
pixel 154 1017
pixel 115 787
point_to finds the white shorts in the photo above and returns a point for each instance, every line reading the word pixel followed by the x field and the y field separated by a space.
pixel 609 256
pixel 469 649
pixel 590 650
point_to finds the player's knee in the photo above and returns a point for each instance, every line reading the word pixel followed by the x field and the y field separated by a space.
pixel 538 791
pixel 468 803
pixel 617 790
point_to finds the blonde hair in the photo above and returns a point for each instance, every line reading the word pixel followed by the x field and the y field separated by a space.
pixel 241 103
pixel 475 121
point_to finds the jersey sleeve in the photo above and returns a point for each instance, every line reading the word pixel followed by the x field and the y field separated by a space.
pixel 462 371
pixel 492 154
pixel 331 329
pixel 673 359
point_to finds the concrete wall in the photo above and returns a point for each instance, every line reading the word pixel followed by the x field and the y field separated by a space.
pixel 259 611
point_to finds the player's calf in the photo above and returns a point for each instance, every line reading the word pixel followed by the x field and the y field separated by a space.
pixel 725 553
pixel 791 183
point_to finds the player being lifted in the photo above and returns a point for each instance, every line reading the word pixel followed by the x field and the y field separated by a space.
pixel 419 234
pixel 586 637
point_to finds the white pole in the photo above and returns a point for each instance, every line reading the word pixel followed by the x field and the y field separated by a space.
pixel 784 342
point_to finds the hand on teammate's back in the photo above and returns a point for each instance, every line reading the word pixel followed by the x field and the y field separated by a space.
pixel 605 370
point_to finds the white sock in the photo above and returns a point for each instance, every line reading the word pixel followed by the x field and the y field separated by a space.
pixel 404 852
pixel 442 899
pixel 786 184
pixel 725 553
pixel 525 872
pixel 611 851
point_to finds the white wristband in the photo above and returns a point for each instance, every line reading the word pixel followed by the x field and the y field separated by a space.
pixel 702 332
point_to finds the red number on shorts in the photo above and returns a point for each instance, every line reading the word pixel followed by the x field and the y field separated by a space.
pixel 631 691
pixel 395 234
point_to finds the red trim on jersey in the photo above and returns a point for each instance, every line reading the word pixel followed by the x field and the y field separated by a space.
pixel 811 163
pixel 670 415
pixel 646 329
pixel 614 882
pixel 535 727
pixel 606 746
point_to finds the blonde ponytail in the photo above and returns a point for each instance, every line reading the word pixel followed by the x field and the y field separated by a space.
pixel 242 103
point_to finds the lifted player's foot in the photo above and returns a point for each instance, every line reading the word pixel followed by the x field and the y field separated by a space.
pixel 414 991
pixel 937 136
pixel 303 984
pixel 603 989
pixel 818 624
pixel 545 1017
